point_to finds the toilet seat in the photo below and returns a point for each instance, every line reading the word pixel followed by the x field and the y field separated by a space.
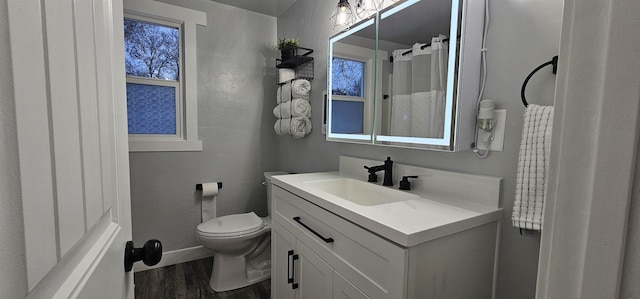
pixel 231 225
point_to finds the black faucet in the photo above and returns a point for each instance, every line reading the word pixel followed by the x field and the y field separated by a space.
pixel 388 172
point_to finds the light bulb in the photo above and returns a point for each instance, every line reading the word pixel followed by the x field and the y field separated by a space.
pixel 342 19
pixel 342 15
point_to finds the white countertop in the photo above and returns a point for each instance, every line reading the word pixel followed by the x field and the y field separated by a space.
pixel 406 223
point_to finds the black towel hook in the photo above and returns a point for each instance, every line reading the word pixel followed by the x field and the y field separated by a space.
pixel 553 61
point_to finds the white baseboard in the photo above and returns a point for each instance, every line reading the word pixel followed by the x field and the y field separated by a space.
pixel 176 257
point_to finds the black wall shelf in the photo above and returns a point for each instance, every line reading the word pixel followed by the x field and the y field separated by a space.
pixel 300 62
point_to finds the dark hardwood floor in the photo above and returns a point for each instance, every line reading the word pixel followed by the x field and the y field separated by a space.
pixel 190 280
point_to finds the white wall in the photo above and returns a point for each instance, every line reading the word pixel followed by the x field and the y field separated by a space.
pixel 236 74
pixel 522 35
pixel 13 278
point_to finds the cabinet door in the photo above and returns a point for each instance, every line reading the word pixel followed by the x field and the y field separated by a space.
pixel 282 247
pixel 313 275
pixel 343 289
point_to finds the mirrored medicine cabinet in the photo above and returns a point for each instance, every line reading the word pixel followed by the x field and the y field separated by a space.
pixel 407 76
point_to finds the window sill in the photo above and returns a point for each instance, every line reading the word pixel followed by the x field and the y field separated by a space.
pixel 165 146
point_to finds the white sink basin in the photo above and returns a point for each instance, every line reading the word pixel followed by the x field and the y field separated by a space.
pixel 359 192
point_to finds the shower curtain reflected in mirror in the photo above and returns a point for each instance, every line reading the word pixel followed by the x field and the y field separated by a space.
pixel 419 86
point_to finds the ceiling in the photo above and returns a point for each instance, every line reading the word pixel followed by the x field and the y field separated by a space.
pixel 269 7
pixel 416 23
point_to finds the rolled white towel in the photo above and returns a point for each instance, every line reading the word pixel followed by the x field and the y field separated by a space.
pixel 279 95
pixel 300 88
pixel 300 126
pixel 282 127
pixel 297 127
pixel 285 93
pixel 296 107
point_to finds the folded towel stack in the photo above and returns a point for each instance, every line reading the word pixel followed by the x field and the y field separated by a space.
pixel 533 164
pixel 293 109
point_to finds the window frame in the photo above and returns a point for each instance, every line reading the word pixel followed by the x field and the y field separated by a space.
pixel 186 137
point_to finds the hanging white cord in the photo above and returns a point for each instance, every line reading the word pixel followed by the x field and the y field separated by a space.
pixel 483 80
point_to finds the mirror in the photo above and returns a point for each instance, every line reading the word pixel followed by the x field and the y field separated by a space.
pixel 352 81
pixel 423 96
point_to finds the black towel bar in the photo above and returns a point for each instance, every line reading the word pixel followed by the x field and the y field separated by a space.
pixel 554 62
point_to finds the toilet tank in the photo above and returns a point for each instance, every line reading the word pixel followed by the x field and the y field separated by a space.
pixel 267 179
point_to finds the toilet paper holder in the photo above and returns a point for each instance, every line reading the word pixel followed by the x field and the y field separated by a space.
pixel 199 186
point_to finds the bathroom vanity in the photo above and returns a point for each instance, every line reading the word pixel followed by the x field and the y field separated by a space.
pixel 334 235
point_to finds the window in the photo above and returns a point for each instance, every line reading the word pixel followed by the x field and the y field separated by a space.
pixel 152 63
pixel 347 77
pixel 352 90
pixel 160 66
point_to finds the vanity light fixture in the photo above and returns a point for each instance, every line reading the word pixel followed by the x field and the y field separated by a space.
pixel 342 15
pixel 366 8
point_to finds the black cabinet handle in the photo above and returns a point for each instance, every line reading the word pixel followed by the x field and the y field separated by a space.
pixel 289 276
pixel 294 258
pixel 326 240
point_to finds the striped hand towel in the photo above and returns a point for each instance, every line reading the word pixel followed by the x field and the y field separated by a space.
pixel 533 165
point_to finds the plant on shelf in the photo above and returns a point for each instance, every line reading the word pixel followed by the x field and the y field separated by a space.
pixel 287 47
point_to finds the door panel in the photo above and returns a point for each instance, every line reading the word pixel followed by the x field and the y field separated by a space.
pixel 68 74
pixel 316 276
pixel 89 113
pixel 343 289
pixel 65 133
pixel 282 242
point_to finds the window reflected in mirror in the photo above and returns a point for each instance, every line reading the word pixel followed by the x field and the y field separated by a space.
pixel 352 82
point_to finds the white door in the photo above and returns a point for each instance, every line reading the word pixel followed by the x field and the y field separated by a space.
pixel 68 73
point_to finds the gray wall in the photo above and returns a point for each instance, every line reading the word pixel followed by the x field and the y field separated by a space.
pixel 631 269
pixel 522 35
pixel 13 273
pixel 236 74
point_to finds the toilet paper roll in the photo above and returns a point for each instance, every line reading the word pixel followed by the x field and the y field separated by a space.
pixel 209 193
pixel 285 75
pixel 209 189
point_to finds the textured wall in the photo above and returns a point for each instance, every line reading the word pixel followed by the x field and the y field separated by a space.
pixel 236 76
pixel 631 270
pixel 13 276
pixel 522 35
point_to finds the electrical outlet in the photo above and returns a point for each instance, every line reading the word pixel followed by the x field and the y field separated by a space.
pixel 497 143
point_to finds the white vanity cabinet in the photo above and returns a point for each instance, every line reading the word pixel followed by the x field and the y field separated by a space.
pixel 318 253
pixel 350 262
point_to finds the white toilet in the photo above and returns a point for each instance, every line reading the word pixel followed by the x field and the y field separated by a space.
pixel 241 245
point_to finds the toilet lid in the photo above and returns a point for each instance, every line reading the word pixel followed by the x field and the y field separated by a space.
pixel 230 224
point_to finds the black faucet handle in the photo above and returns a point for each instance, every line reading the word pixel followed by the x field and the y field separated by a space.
pixel 373 177
pixel 405 184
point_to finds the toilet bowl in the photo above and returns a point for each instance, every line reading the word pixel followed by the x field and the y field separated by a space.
pixel 241 245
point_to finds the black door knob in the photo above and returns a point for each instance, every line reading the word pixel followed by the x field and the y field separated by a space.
pixel 150 254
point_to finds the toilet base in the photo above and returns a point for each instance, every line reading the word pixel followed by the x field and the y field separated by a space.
pixel 230 273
